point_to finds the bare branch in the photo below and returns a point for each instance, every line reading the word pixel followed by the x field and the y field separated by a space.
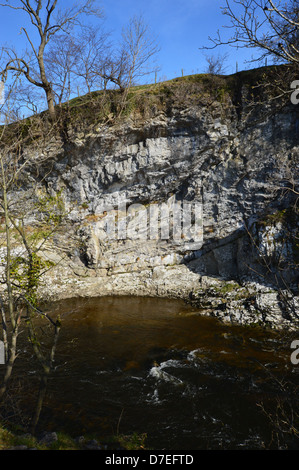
pixel 264 26
pixel 48 21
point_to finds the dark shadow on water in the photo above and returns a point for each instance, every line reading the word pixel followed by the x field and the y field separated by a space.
pixel 188 381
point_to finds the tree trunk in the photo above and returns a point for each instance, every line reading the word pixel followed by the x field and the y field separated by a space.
pixel 40 400
pixel 50 102
pixel 13 315
pixel 10 364
pixel 47 367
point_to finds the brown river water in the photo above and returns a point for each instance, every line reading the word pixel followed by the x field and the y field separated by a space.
pixel 157 366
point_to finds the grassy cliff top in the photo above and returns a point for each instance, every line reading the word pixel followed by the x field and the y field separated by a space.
pixel 109 107
pixel 179 92
pixel 145 101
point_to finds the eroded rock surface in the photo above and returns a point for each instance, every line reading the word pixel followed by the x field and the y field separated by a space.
pixel 231 162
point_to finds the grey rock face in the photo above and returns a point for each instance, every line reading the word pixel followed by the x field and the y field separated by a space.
pixel 230 164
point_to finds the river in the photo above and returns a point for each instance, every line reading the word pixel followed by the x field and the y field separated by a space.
pixel 158 366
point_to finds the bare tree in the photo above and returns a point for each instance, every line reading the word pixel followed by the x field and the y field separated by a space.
pixel 135 56
pixel 138 51
pixel 60 61
pixel 215 64
pixel 48 21
pixel 24 99
pixel 94 51
pixel 75 61
pixel 269 26
pixel 22 263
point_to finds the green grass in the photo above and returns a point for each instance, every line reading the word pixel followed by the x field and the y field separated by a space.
pixel 9 439
pixel 134 441
pixel 85 113
pixel 15 437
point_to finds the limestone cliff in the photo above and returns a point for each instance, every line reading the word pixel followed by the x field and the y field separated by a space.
pixel 188 142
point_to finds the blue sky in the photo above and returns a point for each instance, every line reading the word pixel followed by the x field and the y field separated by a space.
pixel 181 26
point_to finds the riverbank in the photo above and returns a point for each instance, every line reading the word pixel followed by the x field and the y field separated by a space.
pixel 12 440
pixel 250 302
